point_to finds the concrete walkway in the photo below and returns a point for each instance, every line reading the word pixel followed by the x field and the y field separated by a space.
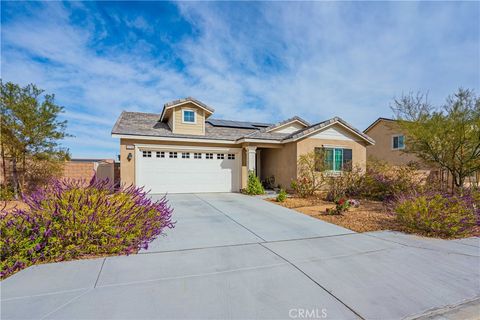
pixel 233 256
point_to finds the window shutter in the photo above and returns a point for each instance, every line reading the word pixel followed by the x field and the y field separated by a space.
pixel 319 159
pixel 347 160
pixel 328 158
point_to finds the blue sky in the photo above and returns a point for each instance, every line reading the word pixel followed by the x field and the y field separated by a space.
pixel 249 60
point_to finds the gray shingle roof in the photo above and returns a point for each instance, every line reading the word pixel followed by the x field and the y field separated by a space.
pixel 306 131
pixel 188 99
pixel 281 123
pixel 148 124
pixel 260 134
pixel 264 135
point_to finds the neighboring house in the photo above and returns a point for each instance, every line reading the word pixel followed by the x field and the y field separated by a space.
pixel 390 143
pixel 183 149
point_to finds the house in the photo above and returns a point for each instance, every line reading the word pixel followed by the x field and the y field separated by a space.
pixel 184 149
pixel 390 143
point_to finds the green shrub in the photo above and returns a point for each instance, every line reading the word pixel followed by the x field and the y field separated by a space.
pixel 310 177
pixel 6 193
pixel 282 196
pixel 254 186
pixel 437 214
pixel 67 220
pixel 344 184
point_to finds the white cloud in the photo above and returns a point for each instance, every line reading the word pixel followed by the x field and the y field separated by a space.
pixel 250 61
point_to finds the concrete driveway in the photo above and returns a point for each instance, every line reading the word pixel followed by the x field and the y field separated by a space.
pixel 234 256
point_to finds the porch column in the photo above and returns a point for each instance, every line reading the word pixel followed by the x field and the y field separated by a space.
pixel 259 164
pixel 251 157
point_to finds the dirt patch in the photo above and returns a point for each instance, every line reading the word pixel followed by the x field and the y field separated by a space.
pixel 292 202
pixel 370 216
pixel 8 206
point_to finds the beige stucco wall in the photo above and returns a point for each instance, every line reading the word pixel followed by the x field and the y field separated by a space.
pixel 280 163
pixel 382 133
pixel 127 168
pixel 359 153
pixel 179 127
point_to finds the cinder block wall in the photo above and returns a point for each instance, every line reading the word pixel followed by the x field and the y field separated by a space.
pixel 79 170
pixel 83 169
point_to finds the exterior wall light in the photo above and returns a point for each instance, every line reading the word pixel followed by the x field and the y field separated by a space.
pixel 130 156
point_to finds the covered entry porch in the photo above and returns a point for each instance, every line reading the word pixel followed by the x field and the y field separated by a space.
pixel 275 163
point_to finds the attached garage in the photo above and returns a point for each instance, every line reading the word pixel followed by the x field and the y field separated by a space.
pixel 169 169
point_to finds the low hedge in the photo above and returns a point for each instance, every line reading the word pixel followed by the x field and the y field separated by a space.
pixel 68 220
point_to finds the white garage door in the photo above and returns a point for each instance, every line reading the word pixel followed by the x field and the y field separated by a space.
pixel 188 170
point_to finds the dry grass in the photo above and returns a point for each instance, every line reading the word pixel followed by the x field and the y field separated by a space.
pixel 370 216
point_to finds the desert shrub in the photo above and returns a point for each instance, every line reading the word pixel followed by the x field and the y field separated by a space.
pixel 282 196
pixel 438 214
pixel 67 220
pixel 383 181
pixel 346 183
pixel 310 178
pixel 254 186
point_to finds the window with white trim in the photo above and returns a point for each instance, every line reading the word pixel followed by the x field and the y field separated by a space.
pixel 188 116
pixel 185 155
pixel 398 142
pixel 208 155
pixel 333 159
pixel 231 156
pixel 147 154
pixel 197 155
pixel 160 154
pixel 172 155
pixel 220 156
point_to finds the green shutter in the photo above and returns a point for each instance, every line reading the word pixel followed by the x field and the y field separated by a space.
pixel 319 160
pixel 328 158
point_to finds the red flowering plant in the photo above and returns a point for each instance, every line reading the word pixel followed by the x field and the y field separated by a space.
pixel 342 205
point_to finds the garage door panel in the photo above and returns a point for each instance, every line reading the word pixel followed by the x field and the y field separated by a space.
pixel 179 175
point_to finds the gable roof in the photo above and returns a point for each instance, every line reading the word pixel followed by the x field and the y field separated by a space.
pixel 321 125
pixel 179 102
pixel 148 125
pixel 376 122
pixel 282 123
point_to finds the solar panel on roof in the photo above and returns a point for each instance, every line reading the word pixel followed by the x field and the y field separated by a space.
pixel 233 124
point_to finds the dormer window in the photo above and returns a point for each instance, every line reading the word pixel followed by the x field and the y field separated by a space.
pixel 188 116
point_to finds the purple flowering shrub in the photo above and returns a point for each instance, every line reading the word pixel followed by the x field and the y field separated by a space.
pixel 439 214
pixel 383 181
pixel 68 219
